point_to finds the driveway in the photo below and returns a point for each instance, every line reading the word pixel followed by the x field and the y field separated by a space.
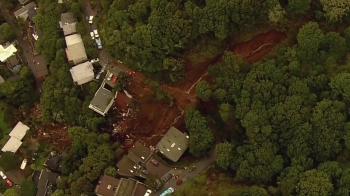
pixel 186 175
pixel 16 176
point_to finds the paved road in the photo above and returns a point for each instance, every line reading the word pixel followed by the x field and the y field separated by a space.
pixel 186 175
pixel 16 176
pixel 24 45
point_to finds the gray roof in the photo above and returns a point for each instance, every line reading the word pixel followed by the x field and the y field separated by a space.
pixel 141 152
pixel 75 48
pixel 23 12
pixel 102 99
pixel 173 144
pixel 32 11
pixel 68 23
pixel 46 184
pixel 23 1
pixel 40 66
pixel 125 165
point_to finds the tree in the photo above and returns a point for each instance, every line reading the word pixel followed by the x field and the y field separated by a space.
pixel 314 183
pixel 111 171
pixel 58 193
pixel 204 91
pixel 81 186
pixel 225 153
pixel 226 112
pixel 335 9
pixel 9 161
pixel 336 45
pixel 309 39
pixel 10 192
pixel 201 137
pixel 276 14
pixel 6 32
pixel 3 186
pixel 299 7
pixel 251 191
pixel 28 188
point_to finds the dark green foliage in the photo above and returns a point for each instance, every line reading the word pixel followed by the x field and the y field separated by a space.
pixel 9 161
pixel 28 188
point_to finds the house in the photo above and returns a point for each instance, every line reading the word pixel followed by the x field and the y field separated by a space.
pixel 32 12
pixel 23 12
pixel 7 52
pixel 1 79
pixel 47 183
pixel 54 162
pixel 173 144
pixel 19 131
pixel 82 73
pixel 40 66
pixel 122 101
pixel 12 145
pixel 75 49
pixel 22 2
pixel 68 23
pixel 103 99
pixel 109 186
pixel 132 164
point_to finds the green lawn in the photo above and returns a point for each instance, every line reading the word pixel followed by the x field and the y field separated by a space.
pixel 3 127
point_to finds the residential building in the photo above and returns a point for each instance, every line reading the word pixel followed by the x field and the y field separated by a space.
pixel 23 12
pixel 173 144
pixel 32 12
pixel 16 135
pixel 22 2
pixel 82 73
pixel 12 145
pixel 68 23
pixel 6 52
pixel 103 99
pixel 47 183
pixel 19 131
pixel 54 162
pixel 41 71
pixel 122 101
pixel 75 49
pixel 109 186
pixel 132 164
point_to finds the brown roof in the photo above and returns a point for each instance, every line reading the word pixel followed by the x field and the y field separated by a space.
pixel 107 186
pixel 140 189
pixel 122 101
pixel 140 151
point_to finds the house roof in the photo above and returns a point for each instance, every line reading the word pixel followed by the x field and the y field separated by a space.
pixel 23 1
pixel 32 11
pixel 23 12
pixel 75 47
pixel 12 145
pixel 140 151
pixel 40 66
pixel 54 162
pixel 19 131
pixel 7 52
pixel 46 184
pixel 102 100
pixel 125 166
pixel 68 23
pixel 13 60
pixel 1 79
pixel 173 144
pixel 82 72
pixel 107 186
pixel 126 187
pixel 122 101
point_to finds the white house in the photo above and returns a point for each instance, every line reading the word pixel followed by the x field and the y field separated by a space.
pixel 82 73
pixel 12 145
pixel 75 49
pixel 7 52
pixel 19 131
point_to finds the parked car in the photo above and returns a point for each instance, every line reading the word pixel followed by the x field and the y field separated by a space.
pixel 109 77
pixel 91 18
pixel 119 61
pixel 99 44
pixel 96 33
pixel 167 178
pixel 154 162
pixel 169 191
pixel 3 176
pixel 103 68
pixel 115 79
pixel 159 183
pixel 8 182
pixel 98 76
pixel 145 171
pixel 95 60
pixel 24 163
pixel 92 35
pixel 148 192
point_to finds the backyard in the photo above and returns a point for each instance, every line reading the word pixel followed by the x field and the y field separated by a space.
pixel 5 130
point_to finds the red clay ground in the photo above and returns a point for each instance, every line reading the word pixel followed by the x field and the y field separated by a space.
pixel 155 118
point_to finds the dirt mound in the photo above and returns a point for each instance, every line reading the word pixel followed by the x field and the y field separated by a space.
pixel 179 182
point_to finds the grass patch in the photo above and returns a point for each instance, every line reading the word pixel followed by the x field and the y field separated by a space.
pixel 213 184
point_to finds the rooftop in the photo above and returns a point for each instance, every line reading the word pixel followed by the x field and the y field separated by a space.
pixel 140 151
pixel 32 11
pixel 126 187
pixel 47 183
pixel 173 144
pixel 7 52
pixel 54 162
pixel 23 1
pixel 82 73
pixel 19 131
pixel 40 66
pixel 107 186
pixel 68 23
pixel 102 100
pixel 12 145
pixel 75 48
pixel 23 12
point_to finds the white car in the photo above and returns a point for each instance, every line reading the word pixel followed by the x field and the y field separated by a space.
pixel 95 60
pixel 96 33
pixel 91 19
pixel 148 192
pixel 92 35
pixel 3 176
pixel 109 76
